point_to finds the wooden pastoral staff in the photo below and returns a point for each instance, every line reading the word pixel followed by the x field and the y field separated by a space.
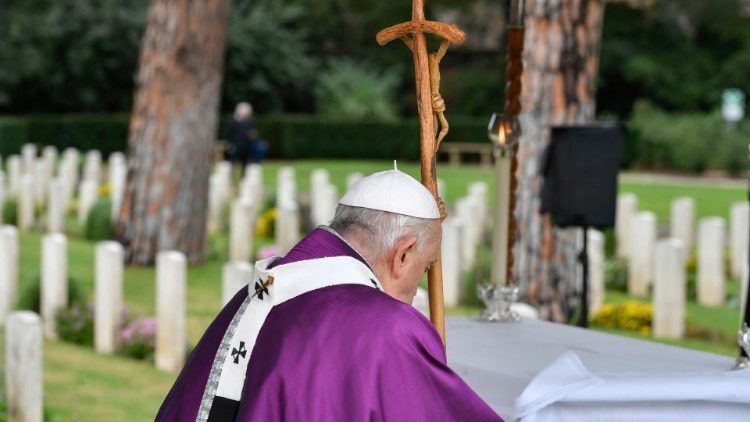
pixel 432 122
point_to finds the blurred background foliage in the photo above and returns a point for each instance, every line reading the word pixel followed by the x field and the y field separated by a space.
pixel 63 56
pixel 67 67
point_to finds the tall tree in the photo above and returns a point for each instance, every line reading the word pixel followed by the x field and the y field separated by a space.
pixel 173 128
pixel 559 87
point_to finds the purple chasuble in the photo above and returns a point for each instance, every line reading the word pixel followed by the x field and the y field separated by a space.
pixel 337 353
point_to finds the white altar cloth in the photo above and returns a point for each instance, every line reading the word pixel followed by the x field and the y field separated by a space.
pixel 539 371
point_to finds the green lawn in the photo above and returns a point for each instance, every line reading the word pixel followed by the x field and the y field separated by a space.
pixel 709 200
pixel 80 385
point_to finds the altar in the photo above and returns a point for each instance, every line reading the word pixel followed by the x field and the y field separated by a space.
pixel 541 371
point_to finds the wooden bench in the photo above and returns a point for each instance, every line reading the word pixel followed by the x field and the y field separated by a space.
pixel 456 149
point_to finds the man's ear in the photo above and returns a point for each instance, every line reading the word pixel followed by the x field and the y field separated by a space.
pixel 404 247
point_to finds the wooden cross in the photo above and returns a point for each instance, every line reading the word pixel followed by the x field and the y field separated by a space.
pixel 431 109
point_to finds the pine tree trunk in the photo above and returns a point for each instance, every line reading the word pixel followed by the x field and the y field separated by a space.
pixel 173 128
pixel 559 87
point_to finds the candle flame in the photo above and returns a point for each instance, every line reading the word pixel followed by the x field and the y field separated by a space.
pixel 501 134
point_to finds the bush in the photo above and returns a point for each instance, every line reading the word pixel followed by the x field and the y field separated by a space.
pixel 10 212
pixel 356 90
pixel 616 275
pixel 688 141
pixel 30 296
pixel 138 339
pixel 75 324
pixel 99 221
pixel 631 316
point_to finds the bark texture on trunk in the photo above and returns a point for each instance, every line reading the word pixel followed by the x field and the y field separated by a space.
pixel 559 87
pixel 173 129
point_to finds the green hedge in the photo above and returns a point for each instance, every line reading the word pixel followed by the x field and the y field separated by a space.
pixel 107 133
pixel 288 136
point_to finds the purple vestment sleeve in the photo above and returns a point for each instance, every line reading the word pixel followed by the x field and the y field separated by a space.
pixel 184 399
pixel 353 353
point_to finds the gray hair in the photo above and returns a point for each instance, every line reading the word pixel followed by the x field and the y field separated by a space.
pixel 243 111
pixel 380 230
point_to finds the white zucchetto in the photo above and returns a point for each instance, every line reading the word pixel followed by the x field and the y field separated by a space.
pixel 392 191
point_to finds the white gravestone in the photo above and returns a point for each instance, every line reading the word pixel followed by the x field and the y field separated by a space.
pixel 451 260
pixel 711 243
pixel 40 182
pixel 241 231
pixel 56 207
pixel 331 202
pixel 682 223
pixel 287 228
pixel 49 155
pixel 235 276
pixel 26 206
pixel 466 211
pixel 739 235
pixel 479 191
pixel 215 204
pixel 89 192
pixel 641 261
pixel 286 188
pixel 14 175
pixel 47 172
pixel 69 173
pixel 441 188
pixel 669 290
pixel 251 186
pixel 627 208
pixel 118 173
pixel 24 384
pixel 171 334
pixel 8 270
pixel 54 282
pixel 28 154
pixel 92 167
pixel 319 180
pixel 108 273
pixel 596 270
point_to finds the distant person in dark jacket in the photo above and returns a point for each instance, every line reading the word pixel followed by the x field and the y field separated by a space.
pixel 242 135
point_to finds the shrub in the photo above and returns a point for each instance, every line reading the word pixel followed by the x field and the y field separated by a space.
pixel 355 90
pixel 687 141
pixel 616 275
pixel 99 221
pixel 138 339
pixel 10 212
pixel 30 295
pixel 75 324
pixel 631 316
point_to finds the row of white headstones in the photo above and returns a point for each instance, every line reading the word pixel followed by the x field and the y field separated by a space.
pixel 49 183
pixel 658 266
pixel 25 330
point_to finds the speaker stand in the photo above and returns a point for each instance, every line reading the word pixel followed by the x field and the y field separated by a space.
pixel 583 258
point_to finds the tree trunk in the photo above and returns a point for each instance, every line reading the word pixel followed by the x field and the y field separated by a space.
pixel 559 87
pixel 173 129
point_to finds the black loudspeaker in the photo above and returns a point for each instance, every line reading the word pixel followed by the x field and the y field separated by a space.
pixel 580 175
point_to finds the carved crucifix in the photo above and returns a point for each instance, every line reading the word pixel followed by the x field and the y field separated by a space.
pixel 433 126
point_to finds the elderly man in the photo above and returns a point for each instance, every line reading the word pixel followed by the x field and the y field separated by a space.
pixel 327 332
